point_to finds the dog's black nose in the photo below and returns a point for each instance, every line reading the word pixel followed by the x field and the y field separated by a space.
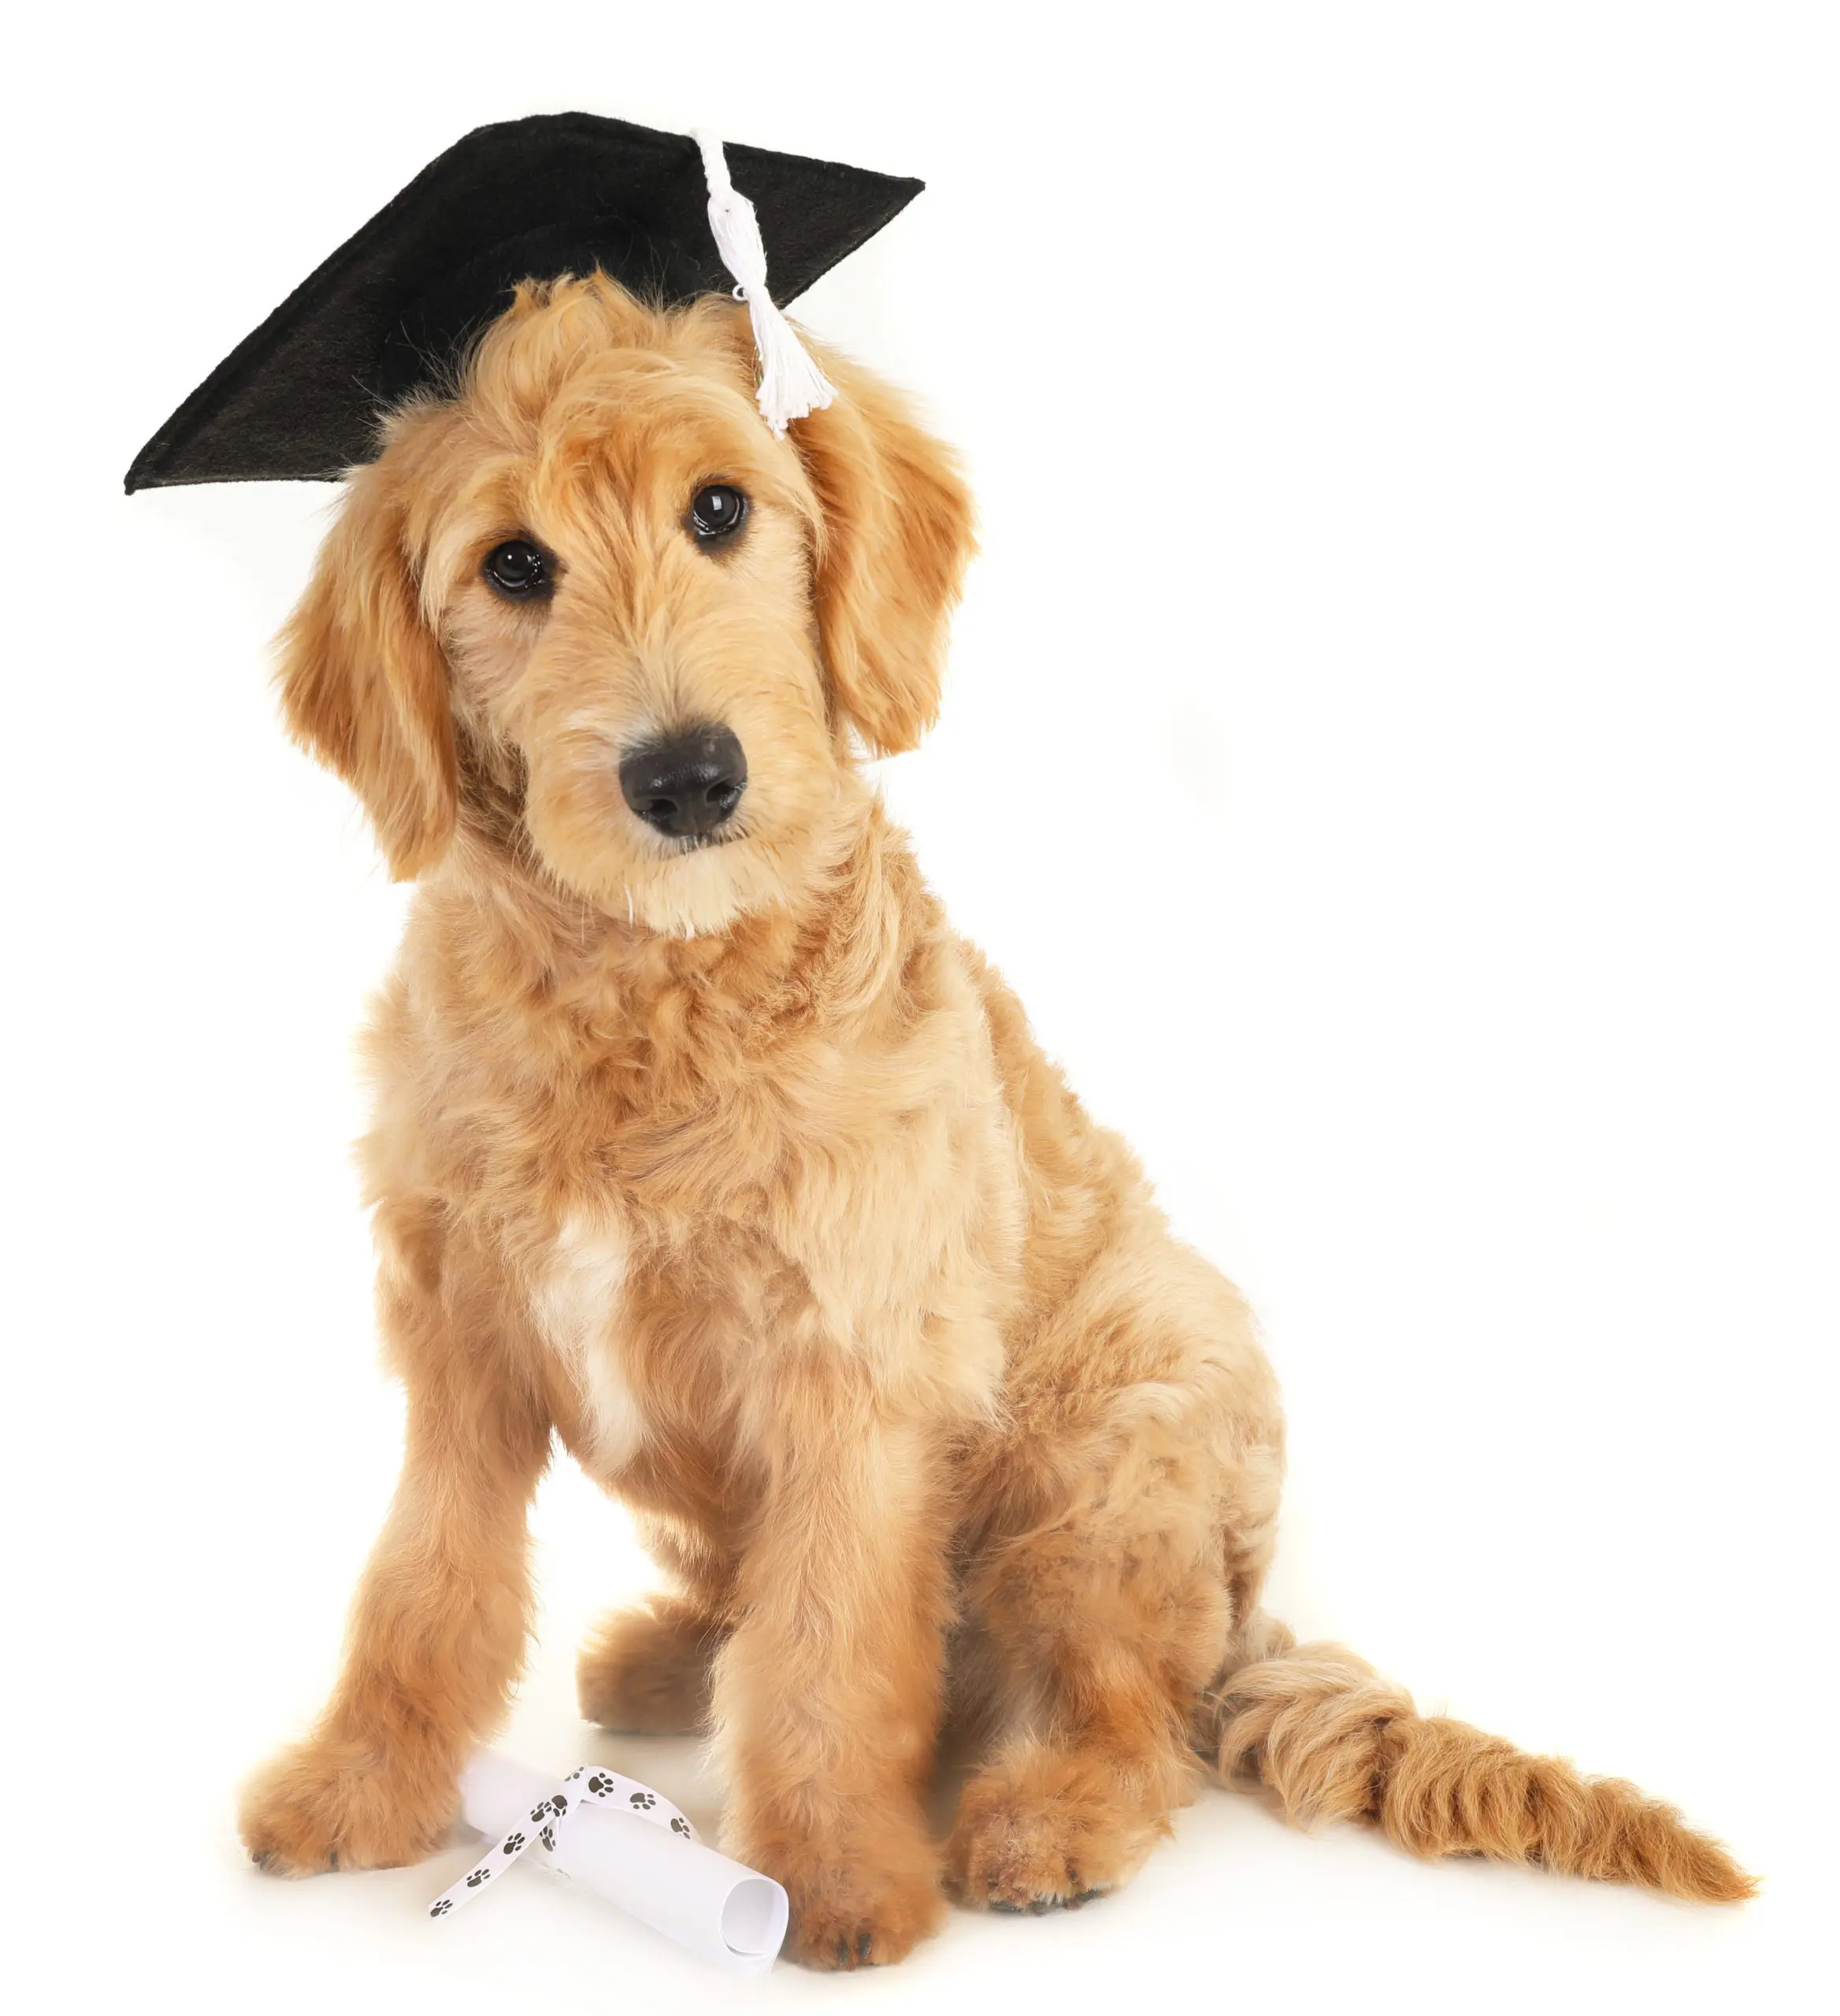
pixel 689 785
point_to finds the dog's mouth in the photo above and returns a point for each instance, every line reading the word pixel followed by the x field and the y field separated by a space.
pixel 687 843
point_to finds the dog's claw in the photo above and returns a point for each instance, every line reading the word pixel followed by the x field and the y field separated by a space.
pixel 1039 1906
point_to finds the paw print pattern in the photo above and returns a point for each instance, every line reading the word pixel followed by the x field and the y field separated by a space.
pixel 542 1826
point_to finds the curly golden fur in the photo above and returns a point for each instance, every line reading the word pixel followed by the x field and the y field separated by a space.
pixel 734 1165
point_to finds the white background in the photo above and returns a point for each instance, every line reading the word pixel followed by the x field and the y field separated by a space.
pixel 1390 745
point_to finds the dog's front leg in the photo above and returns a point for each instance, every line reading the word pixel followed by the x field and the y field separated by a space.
pixel 827 1696
pixel 437 1632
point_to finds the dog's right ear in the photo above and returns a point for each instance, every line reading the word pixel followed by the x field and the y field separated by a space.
pixel 363 682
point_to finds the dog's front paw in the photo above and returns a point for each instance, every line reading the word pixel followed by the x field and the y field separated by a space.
pixel 323 1805
pixel 855 1903
pixel 853 1918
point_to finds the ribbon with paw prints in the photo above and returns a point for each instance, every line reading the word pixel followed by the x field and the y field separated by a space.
pixel 586 1785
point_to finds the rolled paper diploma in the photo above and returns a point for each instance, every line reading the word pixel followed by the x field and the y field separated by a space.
pixel 728 1914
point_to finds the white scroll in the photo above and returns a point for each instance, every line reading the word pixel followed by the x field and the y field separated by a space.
pixel 619 1838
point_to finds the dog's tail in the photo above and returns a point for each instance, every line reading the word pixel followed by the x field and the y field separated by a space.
pixel 1335 1741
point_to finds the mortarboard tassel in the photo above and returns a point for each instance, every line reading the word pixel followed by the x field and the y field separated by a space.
pixel 791 383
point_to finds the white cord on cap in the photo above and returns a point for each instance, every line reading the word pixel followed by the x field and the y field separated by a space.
pixel 791 383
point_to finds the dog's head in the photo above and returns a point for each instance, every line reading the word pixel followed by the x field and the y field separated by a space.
pixel 589 609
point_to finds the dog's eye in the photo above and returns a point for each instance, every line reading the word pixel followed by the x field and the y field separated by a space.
pixel 518 569
pixel 717 510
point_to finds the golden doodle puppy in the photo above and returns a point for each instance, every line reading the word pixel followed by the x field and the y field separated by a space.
pixel 701 1140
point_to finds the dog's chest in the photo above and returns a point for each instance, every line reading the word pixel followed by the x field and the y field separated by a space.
pixel 577 1299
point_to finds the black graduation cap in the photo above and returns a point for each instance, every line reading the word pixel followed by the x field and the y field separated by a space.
pixel 528 199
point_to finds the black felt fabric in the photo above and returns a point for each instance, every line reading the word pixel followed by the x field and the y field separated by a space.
pixel 528 199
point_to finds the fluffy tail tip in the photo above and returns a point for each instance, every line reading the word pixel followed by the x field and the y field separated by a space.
pixel 1333 1741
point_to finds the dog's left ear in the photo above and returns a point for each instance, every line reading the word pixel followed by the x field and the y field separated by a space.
pixel 896 536
pixel 364 683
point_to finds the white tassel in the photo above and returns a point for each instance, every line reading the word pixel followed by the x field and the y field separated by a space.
pixel 791 383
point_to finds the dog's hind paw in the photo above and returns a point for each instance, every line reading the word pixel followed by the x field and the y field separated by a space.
pixel 646 1671
pixel 1044 1831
